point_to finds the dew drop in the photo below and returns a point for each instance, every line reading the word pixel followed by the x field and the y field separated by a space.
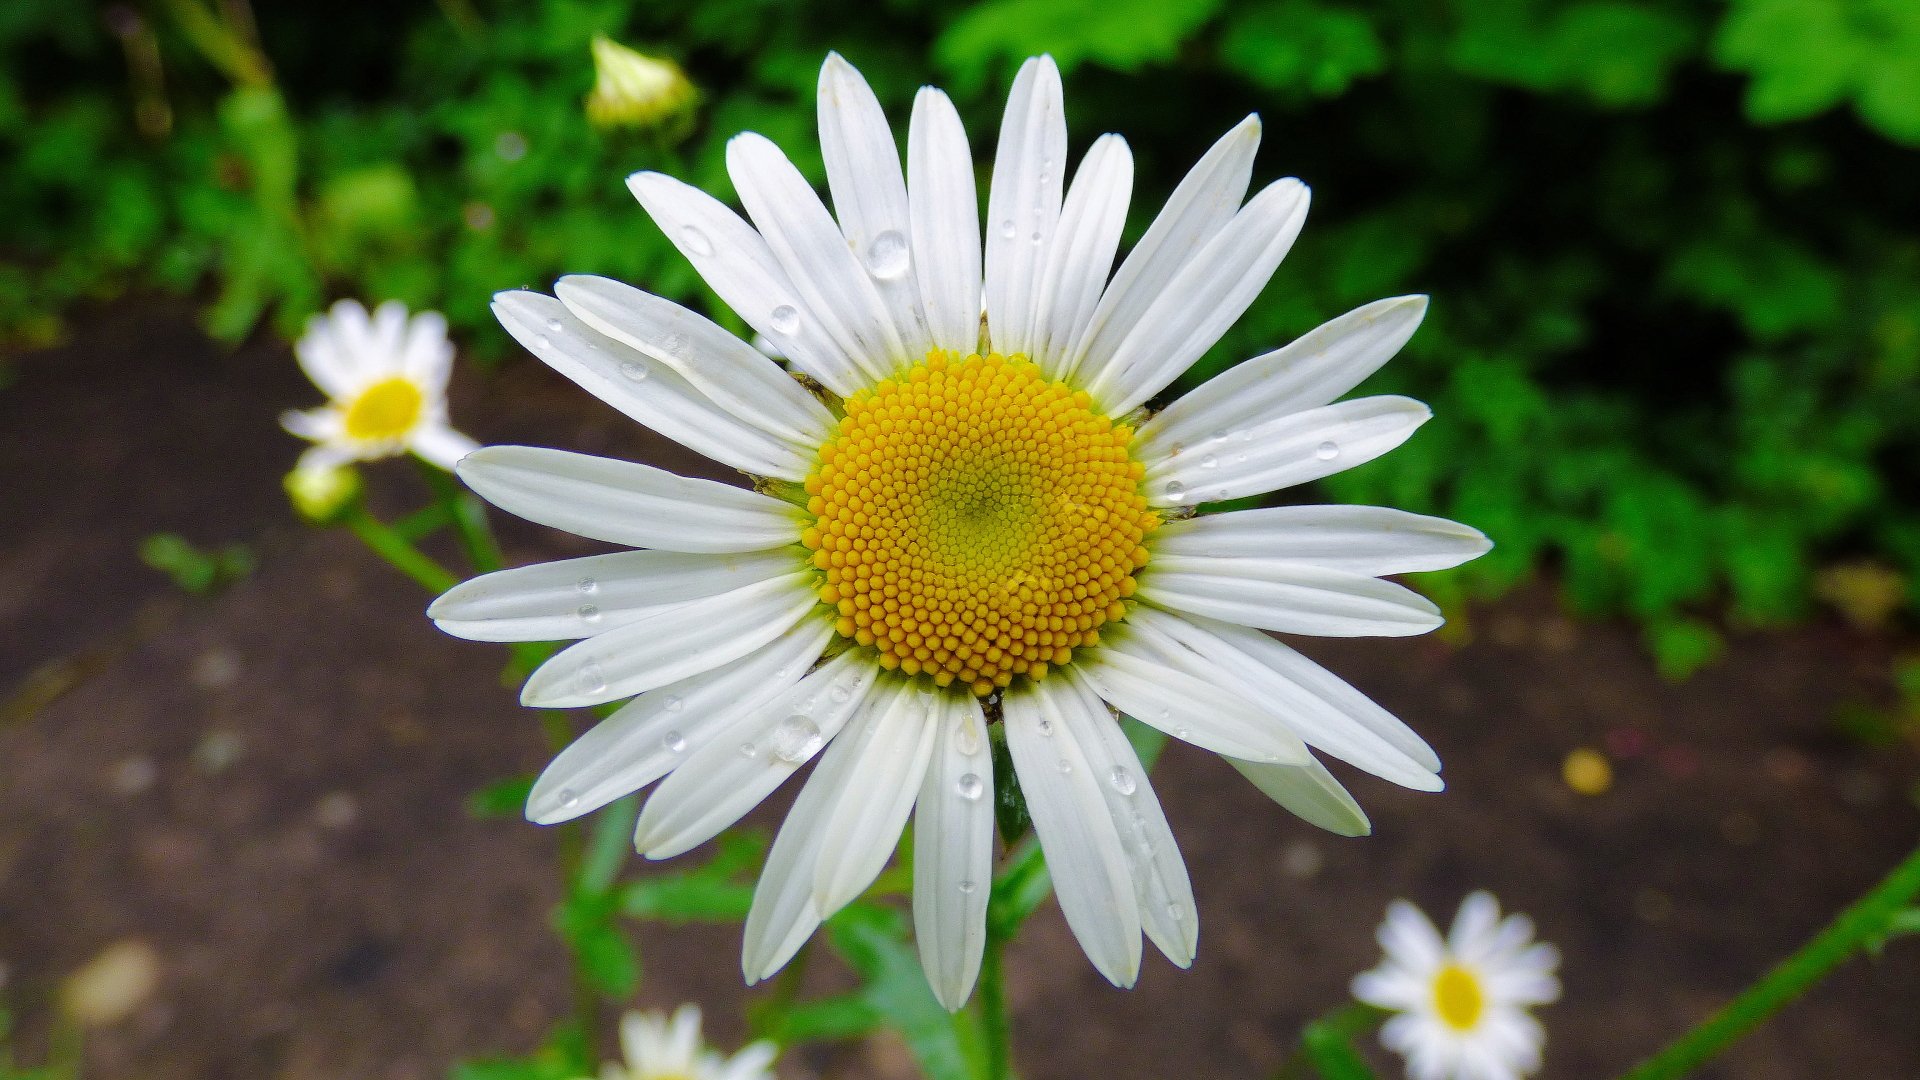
pixel 796 739
pixel 1122 780
pixel 784 319
pixel 840 692
pixel 1035 238
pixel 1209 462
pixel 1219 436
pixel 589 613
pixel 1175 489
pixel 1008 228
pixel 554 325
pixel 1176 912
pixel 543 341
pixel 1046 728
pixel 591 679
pixel 568 798
pixel 674 742
pixel 966 738
pixel 674 344
pixel 633 370
pixel 887 255
pixel 674 704
pixel 587 585
pixel 1327 451
pixel 969 787
pixel 1065 766
pixel 967 887
pixel 695 241
pixel 747 749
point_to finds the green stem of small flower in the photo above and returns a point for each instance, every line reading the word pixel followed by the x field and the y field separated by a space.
pixel 995 1022
pixel 1864 926
pixel 399 551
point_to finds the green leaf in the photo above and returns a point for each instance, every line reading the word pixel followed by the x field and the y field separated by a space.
pixel 1302 46
pixel 947 1046
pixel 504 798
pixel 1332 1054
pixel 827 1020
pixel 1125 35
pixel 1019 890
pixel 710 893
pixel 607 960
pixel 1682 646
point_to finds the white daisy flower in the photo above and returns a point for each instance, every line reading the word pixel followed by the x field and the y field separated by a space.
pixel 657 1048
pixel 1462 1001
pixel 385 376
pixel 958 521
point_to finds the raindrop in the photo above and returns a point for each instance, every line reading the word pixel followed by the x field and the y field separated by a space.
pixel 554 325
pixel 1065 766
pixel 1327 451
pixel 841 692
pixel 543 341
pixel 784 319
pixel 674 704
pixel 674 742
pixel 887 255
pixel 796 739
pixel 591 679
pixel 967 738
pixel 1176 912
pixel 568 798
pixel 1008 228
pixel 1035 238
pixel 1220 436
pixel 969 787
pixel 634 370
pixel 1175 489
pixel 1122 780
pixel 695 241
pixel 967 887
pixel 746 749
pixel 1046 728
pixel 1209 462
pixel 587 585
pixel 673 344
pixel 589 613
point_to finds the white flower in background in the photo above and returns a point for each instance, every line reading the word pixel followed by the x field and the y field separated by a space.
pixel 660 1049
pixel 971 525
pixel 631 89
pixel 385 377
pixel 1462 1001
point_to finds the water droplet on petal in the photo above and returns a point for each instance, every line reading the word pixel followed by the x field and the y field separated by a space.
pixel 555 325
pixel 673 344
pixel 1046 728
pixel 969 787
pixel 567 798
pixel 543 342
pixel 747 749
pixel 887 255
pixel 967 887
pixel 633 370
pixel 966 738
pixel 589 613
pixel 784 319
pixel 1175 489
pixel 674 742
pixel 1122 780
pixel 1035 238
pixel 1008 228
pixel 1176 912
pixel 587 585
pixel 1209 462
pixel 591 679
pixel 674 704
pixel 1065 766
pixel 841 692
pixel 1327 451
pixel 796 739
pixel 695 241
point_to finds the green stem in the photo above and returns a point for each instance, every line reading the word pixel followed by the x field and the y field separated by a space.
pixel 400 552
pixel 995 1022
pixel 1863 926
pixel 469 517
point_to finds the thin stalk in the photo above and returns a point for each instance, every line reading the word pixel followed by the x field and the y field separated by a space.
pixel 469 517
pixel 1861 927
pixel 399 552
pixel 995 1022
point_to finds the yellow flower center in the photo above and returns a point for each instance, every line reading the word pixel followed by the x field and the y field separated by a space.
pixel 1458 998
pixel 386 410
pixel 976 521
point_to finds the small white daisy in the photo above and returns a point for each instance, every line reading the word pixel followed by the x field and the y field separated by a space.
pixel 657 1048
pixel 958 521
pixel 385 377
pixel 1462 1001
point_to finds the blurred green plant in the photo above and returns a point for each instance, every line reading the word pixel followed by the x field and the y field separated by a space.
pixel 1675 343
pixel 193 569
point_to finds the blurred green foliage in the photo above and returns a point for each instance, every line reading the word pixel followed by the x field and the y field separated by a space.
pixel 1675 343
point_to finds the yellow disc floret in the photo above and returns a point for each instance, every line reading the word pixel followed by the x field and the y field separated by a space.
pixel 975 521
pixel 387 410
pixel 1458 998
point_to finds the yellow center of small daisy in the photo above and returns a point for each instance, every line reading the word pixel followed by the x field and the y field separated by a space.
pixel 386 410
pixel 976 521
pixel 1458 998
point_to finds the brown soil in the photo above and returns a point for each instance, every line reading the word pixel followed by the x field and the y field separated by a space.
pixel 267 787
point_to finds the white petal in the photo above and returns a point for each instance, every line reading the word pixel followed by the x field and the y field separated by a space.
pixel 325 424
pixel 750 755
pixel 810 248
pixel 1023 204
pixel 1474 924
pixel 1081 255
pixel 1287 451
pixel 1199 208
pixel 729 372
pixel 643 388
pixel 1292 598
pixel 1160 881
pixel 1083 850
pixel 784 914
pixel 865 827
pixel 953 852
pixel 654 733
pixel 1204 299
pixel 333 369
pixel 672 644
pixel 870 194
pixel 1310 792
pixel 1313 371
pixel 426 354
pixel 1292 689
pixel 622 502
pixel 945 210
pixel 577 598
pixel 1371 540
pixel 737 263
pixel 440 445
pixel 1410 938
pixel 1183 706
